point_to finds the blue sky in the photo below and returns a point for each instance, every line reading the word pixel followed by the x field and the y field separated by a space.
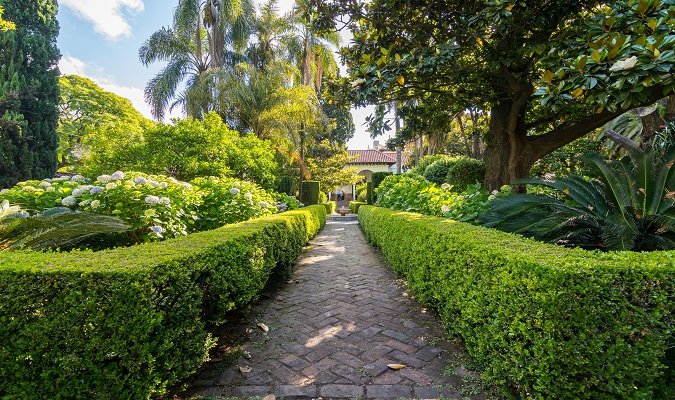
pixel 100 39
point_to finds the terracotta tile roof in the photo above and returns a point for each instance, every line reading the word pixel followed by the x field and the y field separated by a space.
pixel 371 157
pixel 392 155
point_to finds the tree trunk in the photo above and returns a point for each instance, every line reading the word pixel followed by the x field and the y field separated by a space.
pixel 508 155
pixel 302 159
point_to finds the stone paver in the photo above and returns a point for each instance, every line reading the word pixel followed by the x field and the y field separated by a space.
pixel 334 329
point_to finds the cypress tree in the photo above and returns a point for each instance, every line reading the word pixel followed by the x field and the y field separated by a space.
pixel 29 91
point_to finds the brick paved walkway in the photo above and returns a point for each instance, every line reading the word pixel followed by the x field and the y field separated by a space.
pixel 334 329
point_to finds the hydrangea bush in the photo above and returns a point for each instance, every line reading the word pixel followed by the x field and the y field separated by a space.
pixel 154 206
pixel 409 192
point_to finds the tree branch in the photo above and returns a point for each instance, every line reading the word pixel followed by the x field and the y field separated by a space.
pixel 562 135
pixel 622 141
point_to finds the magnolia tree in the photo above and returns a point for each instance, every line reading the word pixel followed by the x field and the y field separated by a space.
pixel 549 72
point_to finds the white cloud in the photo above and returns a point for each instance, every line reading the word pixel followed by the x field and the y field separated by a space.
pixel 71 65
pixel 108 16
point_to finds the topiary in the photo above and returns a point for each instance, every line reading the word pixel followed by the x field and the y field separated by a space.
pixel 378 177
pixel 438 171
pixel 310 192
pixel 465 171
pixel 426 161
pixel 287 185
pixel 369 193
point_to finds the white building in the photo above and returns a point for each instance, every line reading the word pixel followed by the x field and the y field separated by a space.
pixel 369 161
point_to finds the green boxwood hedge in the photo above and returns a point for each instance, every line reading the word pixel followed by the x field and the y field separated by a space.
pixel 354 206
pixel 549 321
pixel 128 322
pixel 330 206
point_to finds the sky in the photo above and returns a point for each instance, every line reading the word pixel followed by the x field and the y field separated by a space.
pixel 99 39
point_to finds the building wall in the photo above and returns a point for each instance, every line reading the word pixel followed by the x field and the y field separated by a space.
pixel 366 170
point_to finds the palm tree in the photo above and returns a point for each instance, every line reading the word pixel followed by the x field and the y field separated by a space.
pixel 185 49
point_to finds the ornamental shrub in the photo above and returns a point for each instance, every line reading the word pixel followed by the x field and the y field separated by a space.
pixel 378 177
pixel 465 171
pixel 287 185
pixel 229 200
pixel 129 322
pixel 426 161
pixel 410 192
pixel 438 171
pixel 369 192
pixel 354 206
pixel 310 192
pixel 331 206
pixel 552 322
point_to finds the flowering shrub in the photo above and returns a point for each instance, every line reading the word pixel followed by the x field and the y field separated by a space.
pixel 285 202
pixel 229 200
pixel 154 206
pixel 411 192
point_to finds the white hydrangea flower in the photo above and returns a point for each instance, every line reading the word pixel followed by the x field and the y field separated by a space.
pixel 263 204
pixel 104 178
pixel 154 184
pixel 62 178
pixel 28 189
pixel 111 186
pixel 152 199
pixel 172 180
pixel 85 202
pixel 234 191
pixel 165 200
pixel 446 186
pixel 3 191
pixel 139 180
pixel 186 185
pixel 77 178
pixel 95 203
pixel 494 192
pixel 77 192
pixel 118 175
pixel 445 209
pixel 249 197
pixel 50 189
pixel 237 184
pixel 45 184
pixel 95 190
pixel 157 230
pixel 163 185
pixel 69 201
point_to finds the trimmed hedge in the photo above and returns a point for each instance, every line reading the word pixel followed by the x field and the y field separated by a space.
pixel 354 206
pixel 128 322
pixel 378 177
pixel 287 184
pixel 464 172
pixel 310 192
pixel 330 206
pixel 369 192
pixel 552 322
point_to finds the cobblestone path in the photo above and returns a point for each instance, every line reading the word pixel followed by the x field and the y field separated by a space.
pixel 334 329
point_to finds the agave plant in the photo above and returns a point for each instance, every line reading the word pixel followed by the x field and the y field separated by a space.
pixel 54 227
pixel 628 205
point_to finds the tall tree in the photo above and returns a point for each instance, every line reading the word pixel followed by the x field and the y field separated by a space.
pixel 4 24
pixel 92 120
pixel 549 72
pixel 29 91
pixel 185 48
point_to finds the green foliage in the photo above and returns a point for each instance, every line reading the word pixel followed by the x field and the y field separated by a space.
pixel 52 228
pixel 130 322
pixel 566 160
pixel 154 206
pixel 426 161
pixel 28 91
pixel 550 322
pixel 465 172
pixel 377 178
pixel 284 202
pixel 354 206
pixel 328 164
pixel 629 206
pixel 331 206
pixel 287 185
pixel 229 200
pixel 4 24
pixel 310 192
pixel 95 124
pixel 361 191
pixel 369 192
pixel 437 172
pixel 344 123
pixel 409 192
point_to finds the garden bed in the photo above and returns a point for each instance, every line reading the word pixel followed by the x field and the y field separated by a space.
pixel 128 322
pixel 551 322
